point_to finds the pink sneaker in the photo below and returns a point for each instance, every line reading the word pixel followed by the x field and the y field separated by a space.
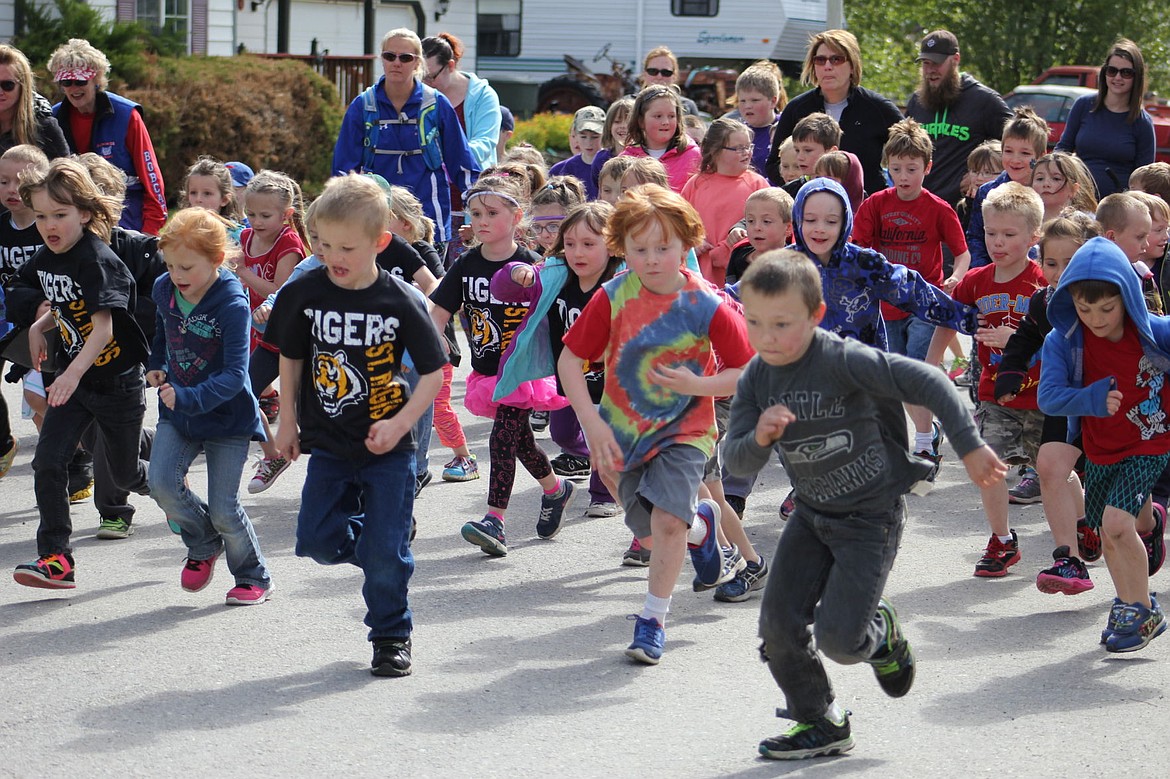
pixel 248 595
pixel 197 573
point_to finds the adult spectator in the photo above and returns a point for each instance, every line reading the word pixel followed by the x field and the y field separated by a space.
pixel 832 66
pixel 661 67
pixel 957 112
pixel 404 114
pixel 1110 131
pixel 95 120
pixel 25 116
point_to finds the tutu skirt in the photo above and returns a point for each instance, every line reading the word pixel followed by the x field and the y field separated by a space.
pixel 539 395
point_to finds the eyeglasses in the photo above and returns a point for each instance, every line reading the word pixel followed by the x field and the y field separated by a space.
pixel 405 59
pixel 836 60
pixel 666 72
pixel 549 227
pixel 73 82
pixel 8 86
pixel 1125 73
pixel 430 77
pixel 738 149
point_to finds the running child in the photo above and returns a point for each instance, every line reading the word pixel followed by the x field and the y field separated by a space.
pixel 549 206
pixel 768 225
pixel 88 292
pixel 813 137
pixel 759 98
pixel 614 135
pixel 495 207
pixel 199 366
pixel 657 328
pixel 656 130
pixel 354 411
pixel 838 547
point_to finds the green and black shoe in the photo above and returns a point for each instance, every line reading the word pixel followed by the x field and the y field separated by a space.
pixel 893 660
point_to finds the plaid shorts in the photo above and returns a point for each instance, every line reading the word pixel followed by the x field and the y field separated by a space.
pixel 1012 433
pixel 1125 485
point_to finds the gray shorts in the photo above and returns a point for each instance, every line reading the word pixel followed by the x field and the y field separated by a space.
pixel 669 480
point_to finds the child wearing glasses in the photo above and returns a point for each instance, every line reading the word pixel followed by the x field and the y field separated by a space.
pixel 549 205
pixel 719 191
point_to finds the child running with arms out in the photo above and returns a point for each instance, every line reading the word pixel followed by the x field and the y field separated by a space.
pixel 1104 366
pixel 495 209
pixel 199 364
pixel 657 328
pixel 809 390
pixel 353 409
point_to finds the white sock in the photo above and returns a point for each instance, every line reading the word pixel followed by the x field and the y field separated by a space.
pixel 924 442
pixel 1006 539
pixel 698 531
pixel 835 714
pixel 656 608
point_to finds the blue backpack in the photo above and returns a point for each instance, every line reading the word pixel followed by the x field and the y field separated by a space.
pixel 428 131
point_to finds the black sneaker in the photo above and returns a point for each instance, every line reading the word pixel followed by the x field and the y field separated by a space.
pixel 421 480
pixel 893 661
pixel 571 465
pixel 819 738
pixel 552 510
pixel 538 421
pixel 1155 542
pixel 487 534
pixel 740 588
pixel 391 657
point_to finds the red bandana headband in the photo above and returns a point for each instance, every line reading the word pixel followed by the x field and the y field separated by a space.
pixel 75 74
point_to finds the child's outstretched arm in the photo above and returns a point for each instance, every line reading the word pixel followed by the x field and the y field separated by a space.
pixel 686 382
pixel 288 434
pixel 603 445
pixel 906 289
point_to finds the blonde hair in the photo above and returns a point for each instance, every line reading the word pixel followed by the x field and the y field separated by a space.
pixel 406 207
pixel 203 232
pixel 66 181
pixel 648 204
pixel 214 169
pixel 287 191
pixel 412 38
pixel 616 168
pixel 1074 226
pixel 764 77
pixel 987 157
pixel 1114 211
pixel 833 165
pixel 79 53
pixel 26 154
pixel 619 110
pixel 1154 204
pixel 521 165
pixel 646 170
pixel 908 139
pixel 25 129
pixel 777 197
pixel 356 200
pixel 841 41
pixel 109 179
pixel 1013 198
pixel 1153 178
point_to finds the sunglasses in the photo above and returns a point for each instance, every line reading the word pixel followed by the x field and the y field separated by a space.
pixel 73 82
pixel 665 72
pixel 836 60
pixel 1126 73
pixel 406 58
pixel 8 86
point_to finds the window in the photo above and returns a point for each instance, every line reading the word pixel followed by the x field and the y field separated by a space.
pixel 499 28
pixel 173 16
pixel 694 7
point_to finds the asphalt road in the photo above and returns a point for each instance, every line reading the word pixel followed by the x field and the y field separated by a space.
pixel 518 661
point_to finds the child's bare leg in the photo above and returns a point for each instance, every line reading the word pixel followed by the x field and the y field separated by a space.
pixel 1145 518
pixel 921 416
pixel 1060 491
pixel 668 534
pixel 995 507
pixel 1125 555
pixel 267 446
pixel 730 526
pixel 955 346
pixel 39 406
pixel 705 493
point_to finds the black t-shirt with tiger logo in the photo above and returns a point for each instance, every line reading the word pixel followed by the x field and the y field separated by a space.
pixel 89 277
pixel 492 322
pixel 352 342
pixel 17 246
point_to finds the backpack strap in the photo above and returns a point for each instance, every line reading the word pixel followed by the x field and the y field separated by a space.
pixel 428 130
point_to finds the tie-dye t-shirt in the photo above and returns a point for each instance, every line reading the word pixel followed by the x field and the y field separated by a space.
pixel 634 330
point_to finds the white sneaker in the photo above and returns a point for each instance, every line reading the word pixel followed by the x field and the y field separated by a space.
pixel 267 472
pixel 599 509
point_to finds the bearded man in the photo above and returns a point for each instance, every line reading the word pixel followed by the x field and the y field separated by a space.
pixel 957 111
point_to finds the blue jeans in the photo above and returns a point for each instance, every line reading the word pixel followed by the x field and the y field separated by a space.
pixel 219 523
pixel 333 529
pixel 910 337
pixel 827 573
pixel 422 428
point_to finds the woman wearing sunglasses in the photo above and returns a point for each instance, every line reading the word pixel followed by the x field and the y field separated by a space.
pixel 408 112
pixel 661 67
pixel 25 116
pixel 1110 131
pixel 832 66
pixel 95 120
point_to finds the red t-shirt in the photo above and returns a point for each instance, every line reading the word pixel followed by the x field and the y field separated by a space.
pixel 264 266
pixel 910 233
pixel 1140 425
pixel 1002 303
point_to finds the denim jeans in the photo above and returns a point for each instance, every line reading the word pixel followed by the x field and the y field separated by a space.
pixel 828 572
pixel 422 428
pixel 219 523
pixel 910 337
pixel 117 407
pixel 377 540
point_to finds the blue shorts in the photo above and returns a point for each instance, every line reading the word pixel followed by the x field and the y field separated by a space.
pixel 910 336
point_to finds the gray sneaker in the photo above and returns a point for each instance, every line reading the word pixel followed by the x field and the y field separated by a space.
pixel 1027 491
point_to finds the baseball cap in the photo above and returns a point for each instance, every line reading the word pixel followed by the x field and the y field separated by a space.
pixel 589 119
pixel 507 121
pixel 241 173
pixel 937 46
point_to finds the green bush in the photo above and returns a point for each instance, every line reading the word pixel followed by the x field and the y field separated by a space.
pixel 547 132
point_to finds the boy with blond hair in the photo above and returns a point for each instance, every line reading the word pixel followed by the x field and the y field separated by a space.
pixel 758 94
pixel 1002 291
pixel 354 409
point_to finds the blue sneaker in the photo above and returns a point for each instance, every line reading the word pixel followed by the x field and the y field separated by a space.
pixel 1136 627
pixel 1111 623
pixel 487 534
pixel 707 557
pixel 649 638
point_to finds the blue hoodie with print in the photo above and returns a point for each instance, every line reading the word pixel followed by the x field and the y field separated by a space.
pixel 1062 382
pixel 856 279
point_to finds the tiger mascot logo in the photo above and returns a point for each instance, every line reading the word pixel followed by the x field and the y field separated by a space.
pixel 71 338
pixel 485 333
pixel 337 383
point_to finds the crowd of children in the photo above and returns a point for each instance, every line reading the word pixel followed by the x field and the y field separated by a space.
pixel 677 314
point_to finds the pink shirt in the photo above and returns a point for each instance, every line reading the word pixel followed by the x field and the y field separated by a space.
pixel 680 165
pixel 720 202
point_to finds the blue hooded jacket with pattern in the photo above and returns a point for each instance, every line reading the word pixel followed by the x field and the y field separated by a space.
pixel 856 279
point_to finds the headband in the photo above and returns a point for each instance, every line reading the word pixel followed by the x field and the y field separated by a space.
pixel 83 73
pixel 548 218
pixel 485 192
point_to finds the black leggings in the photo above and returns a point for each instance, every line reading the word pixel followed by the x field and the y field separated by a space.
pixel 512 439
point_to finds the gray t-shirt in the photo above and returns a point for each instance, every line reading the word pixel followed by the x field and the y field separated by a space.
pixel 848 449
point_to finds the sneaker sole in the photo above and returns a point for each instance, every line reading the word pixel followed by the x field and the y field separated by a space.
pixel 466 477
pixel 1058 585
pixel 488 544
pixel 999 573
pixel 1012 499
pixel 390 672
pixel 602 513
pixel 265 485
pixel 114 535
pixel 636 562
pixel 230 601
pixel 30 579
pixel 835 748
pixel 580 474
pixel 639 654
